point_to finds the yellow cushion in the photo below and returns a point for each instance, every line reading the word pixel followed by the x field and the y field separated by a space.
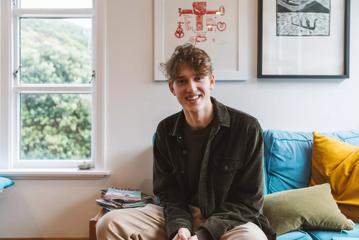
pixel 337 163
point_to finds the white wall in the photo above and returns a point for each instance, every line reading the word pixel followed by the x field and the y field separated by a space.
pixel 62 208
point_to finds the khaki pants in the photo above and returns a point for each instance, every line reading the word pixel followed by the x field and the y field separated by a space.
pixel 148 223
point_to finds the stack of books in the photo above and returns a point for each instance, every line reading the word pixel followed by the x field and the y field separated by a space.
pixel 114 198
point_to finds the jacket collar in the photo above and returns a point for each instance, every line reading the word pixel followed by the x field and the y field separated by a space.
pixel 221 118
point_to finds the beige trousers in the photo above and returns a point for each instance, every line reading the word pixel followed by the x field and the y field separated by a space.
pixel 148 223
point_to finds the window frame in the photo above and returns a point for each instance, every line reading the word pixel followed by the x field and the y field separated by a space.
pixel 10 88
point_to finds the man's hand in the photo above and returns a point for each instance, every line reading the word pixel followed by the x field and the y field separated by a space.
pixel 183 234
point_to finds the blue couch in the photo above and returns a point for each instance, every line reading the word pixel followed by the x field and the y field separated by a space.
pixel 287 165
pixel 5 183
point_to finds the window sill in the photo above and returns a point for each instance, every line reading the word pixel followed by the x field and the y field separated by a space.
pixel 50 173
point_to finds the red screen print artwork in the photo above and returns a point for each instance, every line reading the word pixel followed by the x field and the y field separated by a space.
pixel 205 21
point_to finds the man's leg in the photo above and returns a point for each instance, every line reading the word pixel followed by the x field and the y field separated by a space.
pixel 248 231
pixel 145 223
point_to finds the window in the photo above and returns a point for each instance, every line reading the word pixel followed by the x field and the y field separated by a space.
pixel 51 84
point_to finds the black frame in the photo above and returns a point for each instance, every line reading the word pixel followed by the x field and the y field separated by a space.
pixel 346 47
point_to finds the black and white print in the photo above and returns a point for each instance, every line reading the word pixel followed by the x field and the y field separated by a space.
pixel 303 17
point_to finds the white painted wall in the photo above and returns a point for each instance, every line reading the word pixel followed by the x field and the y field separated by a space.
pixel 62 208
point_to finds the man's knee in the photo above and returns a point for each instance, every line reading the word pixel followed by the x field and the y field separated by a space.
pixel 248 231
pixel 102 227
pixel 105 225
pixel 125 223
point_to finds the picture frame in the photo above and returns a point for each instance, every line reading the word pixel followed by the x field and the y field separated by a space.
pixel 218 27
pixel 303 38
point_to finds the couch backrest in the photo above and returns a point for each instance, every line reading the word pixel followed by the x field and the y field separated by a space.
pixel 287 157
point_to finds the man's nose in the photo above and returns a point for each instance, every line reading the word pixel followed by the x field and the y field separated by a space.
pixel 191 85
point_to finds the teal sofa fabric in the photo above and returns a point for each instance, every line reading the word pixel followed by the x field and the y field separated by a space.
pixel 327 235
pixel 287 165
pixel 297 235
pixel 5 183
pixel 286 157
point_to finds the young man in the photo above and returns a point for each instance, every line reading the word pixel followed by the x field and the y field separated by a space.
pixel 207 167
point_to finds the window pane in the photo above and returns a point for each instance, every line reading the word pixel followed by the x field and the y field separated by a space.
pixel 55 126
pixel 55 50
pixel 56 4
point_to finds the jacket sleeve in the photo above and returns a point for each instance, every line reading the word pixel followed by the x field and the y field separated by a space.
pixel 245 198
pixel 165 186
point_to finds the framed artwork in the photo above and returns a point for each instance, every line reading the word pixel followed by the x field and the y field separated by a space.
pixel 218 27
pixel 303 39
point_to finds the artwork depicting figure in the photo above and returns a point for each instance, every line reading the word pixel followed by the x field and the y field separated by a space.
pixel 303 17
pixel 198 21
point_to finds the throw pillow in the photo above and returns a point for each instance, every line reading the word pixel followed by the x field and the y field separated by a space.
pixel 337 163
pixel 307 208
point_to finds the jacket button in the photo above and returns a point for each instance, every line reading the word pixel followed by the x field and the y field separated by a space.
pixel 184 152
pixel 225 168
pixel 182 171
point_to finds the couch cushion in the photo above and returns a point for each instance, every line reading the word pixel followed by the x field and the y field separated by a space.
pixel 305 208
pixel 287 158
pixel 296 235
pixel 351 137
pixel 337 163
pixel 336 235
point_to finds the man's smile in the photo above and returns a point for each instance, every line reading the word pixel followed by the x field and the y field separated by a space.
pixel 193 98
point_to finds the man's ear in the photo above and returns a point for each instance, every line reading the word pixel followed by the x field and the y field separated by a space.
pixel 170 86
pixel 212 82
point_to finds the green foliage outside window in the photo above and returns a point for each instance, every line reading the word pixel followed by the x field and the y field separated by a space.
pixel 55 126
pixel 55 51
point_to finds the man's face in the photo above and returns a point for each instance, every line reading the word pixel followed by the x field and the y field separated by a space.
pixel 192 90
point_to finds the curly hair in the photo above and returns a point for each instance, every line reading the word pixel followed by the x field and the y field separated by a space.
pixel 189 55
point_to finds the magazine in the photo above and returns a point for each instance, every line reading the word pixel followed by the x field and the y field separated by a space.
pixel 123 194
pixel 114 198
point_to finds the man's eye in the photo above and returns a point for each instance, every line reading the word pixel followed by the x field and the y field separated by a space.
pixel 198 78
pixel 179 81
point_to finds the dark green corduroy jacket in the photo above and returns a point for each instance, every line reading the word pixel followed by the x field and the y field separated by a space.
pixel 230 190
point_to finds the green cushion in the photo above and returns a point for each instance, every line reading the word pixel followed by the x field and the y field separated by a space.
pixel 305 208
